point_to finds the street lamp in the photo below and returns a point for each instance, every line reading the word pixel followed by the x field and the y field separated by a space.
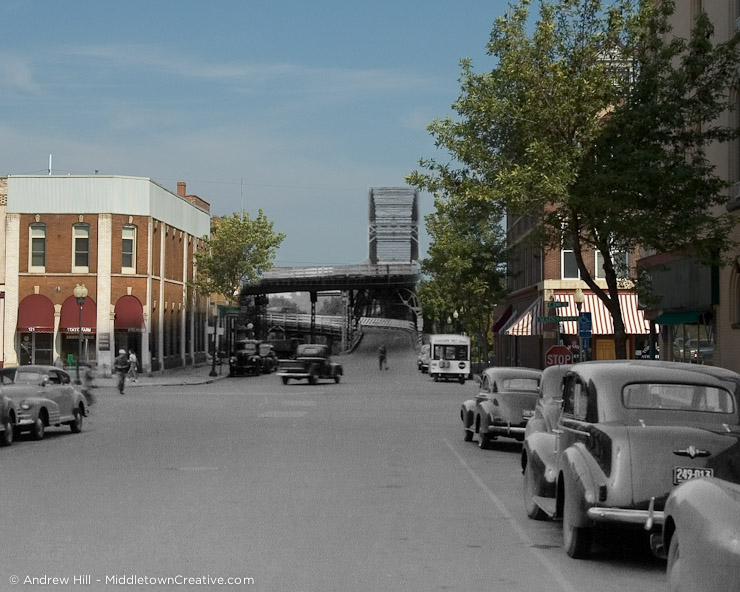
pixel 80 293
pixel 455 315
pixel 579 299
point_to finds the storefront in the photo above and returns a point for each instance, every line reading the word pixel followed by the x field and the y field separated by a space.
pixel 35 330
pixel 129 325
pixel 73 327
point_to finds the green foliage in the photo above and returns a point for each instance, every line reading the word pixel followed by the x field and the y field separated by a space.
pixel 239 251
pixel 596 124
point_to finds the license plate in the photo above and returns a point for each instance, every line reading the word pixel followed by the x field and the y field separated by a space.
pixel 681 474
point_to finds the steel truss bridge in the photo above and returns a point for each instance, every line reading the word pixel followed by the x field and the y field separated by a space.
pixel 382 290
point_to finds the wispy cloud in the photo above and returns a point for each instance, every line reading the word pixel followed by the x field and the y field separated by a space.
pixel 16 73
pixel 301 78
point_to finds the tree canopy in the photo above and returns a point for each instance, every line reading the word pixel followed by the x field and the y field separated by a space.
pixel 596 123
pixel 239 251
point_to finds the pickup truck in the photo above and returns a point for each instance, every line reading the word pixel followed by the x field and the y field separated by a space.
pixel 313 362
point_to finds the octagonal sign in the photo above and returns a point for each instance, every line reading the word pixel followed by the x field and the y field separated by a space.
pixel 557 355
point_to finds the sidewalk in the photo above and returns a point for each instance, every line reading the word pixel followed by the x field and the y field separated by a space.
pixel 188 375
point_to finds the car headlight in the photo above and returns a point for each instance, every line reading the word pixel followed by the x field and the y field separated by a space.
pixel 232 360
pixel 25 406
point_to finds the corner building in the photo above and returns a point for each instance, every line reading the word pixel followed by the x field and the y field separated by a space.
pixel 130 243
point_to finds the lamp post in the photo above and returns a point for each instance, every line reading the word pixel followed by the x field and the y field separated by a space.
pixel 579 298
pixel 456 315
pixel 80 293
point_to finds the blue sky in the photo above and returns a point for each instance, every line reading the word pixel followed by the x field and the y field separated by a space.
pixel 294 107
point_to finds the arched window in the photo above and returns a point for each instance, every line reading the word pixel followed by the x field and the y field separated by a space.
pixel 37 248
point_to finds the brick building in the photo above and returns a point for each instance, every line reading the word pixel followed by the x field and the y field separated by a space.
pixel 130 242
pixel 542 276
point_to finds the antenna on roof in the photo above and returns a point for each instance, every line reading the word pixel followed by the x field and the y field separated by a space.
pixel 50 164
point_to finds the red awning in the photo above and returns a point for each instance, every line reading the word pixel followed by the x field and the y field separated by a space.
pixel 69 321
pixel 497 326
pixel 129 315
pixel 36 315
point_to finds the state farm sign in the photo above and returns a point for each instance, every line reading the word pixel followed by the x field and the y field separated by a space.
pixel 557 355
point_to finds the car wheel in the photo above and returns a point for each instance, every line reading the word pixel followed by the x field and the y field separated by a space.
pixel 576 539
pixel 673 567
pixel 37 431
pixel 435 377
pixel 533 510
pixel 76 425
pixel 484 440
pixel 6 438
pixel 285 379
pixel 336 379
pixel 312 378
pixel 462 380
pixel 468 437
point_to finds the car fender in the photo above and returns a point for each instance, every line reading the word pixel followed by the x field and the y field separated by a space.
pixel 484 414
pixel 467 413
pixel 539 449
pixel 576 476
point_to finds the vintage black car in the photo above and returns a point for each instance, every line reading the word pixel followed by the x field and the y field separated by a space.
pixel 246 358
pixel 312 362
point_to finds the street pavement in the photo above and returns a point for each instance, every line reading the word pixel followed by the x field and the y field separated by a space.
pixel 362 486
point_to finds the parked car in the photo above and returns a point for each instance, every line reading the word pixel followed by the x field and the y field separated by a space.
pixel 45 396
pixel 626 434
pixel 449 357
pixel 700 536
pixel 422 360
pixel 269 358
pixel 8 418
pixel 505 402
pixel 701 351
pixel 246 358
pixel 312 362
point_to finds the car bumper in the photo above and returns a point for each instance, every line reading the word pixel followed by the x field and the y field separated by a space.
pixel 294 374
pixel 648 519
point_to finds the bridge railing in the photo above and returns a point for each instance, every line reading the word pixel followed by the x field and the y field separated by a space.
pixel 360 270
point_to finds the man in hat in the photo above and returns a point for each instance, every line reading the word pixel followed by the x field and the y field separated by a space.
pixel 122 365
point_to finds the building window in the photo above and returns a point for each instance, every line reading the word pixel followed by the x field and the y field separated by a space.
pixel 128 249
pixel 81 237
pixel 37 254
pixel 569 266
pixel 620 262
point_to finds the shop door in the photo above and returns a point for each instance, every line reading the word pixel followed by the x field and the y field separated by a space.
pixel 37 348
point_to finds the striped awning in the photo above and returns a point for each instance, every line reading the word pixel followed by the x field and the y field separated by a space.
pixel 601 319
pixel 526 323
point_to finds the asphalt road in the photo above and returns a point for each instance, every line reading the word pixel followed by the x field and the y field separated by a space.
pixel 365 485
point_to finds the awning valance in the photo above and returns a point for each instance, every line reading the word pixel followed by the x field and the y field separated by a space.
pixel 129 315
pixel 36 315
pixel 498 325
pixel 679 318
pixel 69 321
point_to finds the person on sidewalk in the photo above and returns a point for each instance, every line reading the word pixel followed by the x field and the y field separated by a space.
pixel 382 360
pixel 121 366
pixel 133 365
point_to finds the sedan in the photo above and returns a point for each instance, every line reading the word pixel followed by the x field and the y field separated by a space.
pixel 45 396
pixel 627 433
pixel 701 535
pixel 505 402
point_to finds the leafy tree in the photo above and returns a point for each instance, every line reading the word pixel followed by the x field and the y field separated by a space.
pixel 239 250
pixel 596 124
pixel 465 268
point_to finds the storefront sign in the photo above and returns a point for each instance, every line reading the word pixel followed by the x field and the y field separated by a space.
pixel 104 342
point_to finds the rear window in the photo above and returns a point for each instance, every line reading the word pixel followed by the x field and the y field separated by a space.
pixel 520 384
pixel 678 397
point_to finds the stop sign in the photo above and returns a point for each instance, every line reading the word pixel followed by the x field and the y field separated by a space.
pixel 558 354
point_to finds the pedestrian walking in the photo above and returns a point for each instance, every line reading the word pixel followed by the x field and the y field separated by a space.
pixel 382 357
pixel 121 366
pixel 133 365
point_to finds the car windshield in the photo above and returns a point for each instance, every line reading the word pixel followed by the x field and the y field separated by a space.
pixel 250 348
pixel 679 397
pixel 520 384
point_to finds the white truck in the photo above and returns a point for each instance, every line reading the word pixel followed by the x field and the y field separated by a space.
pixel 449 357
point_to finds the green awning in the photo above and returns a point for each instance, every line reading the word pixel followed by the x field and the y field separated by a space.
pixel 679 318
